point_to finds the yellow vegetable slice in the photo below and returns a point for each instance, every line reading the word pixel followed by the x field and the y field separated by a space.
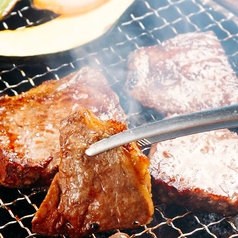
pixel 69 6
pixel 62 33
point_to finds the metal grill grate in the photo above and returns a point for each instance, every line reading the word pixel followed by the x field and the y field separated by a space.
pixel 145 23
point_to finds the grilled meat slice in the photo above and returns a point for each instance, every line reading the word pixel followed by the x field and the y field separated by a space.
pixel 186 73
pixel 199 171
pixel 29 124
pixel 99 193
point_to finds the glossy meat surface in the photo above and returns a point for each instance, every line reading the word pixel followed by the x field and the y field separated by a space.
pixel 186 73
pixel 99 193
pixel 198 171
pixel 29 124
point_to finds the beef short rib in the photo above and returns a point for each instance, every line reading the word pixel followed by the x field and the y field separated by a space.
pixel 108 191
pixel 29 124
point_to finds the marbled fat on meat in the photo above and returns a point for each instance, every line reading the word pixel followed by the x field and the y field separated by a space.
pixel 29 124
pixel 111 190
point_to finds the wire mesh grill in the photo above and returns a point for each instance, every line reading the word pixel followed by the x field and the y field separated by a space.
pixel 145 23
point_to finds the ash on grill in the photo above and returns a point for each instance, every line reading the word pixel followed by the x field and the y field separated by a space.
pixel 145 23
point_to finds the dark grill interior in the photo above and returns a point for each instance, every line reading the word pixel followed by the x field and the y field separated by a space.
pixel 145 23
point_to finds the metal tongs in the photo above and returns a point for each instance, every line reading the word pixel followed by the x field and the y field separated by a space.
pixel 207 120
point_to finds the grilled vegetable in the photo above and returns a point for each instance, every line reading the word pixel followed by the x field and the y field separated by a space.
pixel 62 33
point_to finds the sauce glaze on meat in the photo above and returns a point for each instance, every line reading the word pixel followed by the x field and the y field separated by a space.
pixel 108 191
pixel 29 124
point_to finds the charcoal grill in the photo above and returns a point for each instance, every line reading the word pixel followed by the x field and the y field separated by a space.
pixel 146 22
